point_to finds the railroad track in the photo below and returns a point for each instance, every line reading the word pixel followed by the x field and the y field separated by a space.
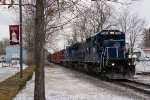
pixel 137 86
pixel 140 87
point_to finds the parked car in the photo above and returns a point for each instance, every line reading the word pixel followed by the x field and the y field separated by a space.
pixel 2 60
pixel 15 59
pixel 144 58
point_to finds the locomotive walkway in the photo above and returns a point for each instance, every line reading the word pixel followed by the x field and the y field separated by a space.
pixel 64 84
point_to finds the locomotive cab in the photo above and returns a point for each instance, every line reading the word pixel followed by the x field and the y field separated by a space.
pixel 114 62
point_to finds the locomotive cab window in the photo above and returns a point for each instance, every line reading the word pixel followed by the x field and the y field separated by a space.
pixel 115 37
pixel 86 50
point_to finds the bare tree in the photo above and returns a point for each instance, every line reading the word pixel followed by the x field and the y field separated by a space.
pixel 3 43
pixel 39 41
pixel 146 38
pixel 93 19
pixel 2 48
pixel 133 26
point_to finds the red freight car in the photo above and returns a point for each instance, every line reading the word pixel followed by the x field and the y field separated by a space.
pixel 58 57
pixel 49 57
pixel 55 57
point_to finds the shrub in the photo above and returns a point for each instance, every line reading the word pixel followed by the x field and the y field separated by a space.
pixel 11 86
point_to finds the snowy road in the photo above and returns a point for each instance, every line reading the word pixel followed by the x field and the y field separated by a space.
pixel 7 71
pixel 65 84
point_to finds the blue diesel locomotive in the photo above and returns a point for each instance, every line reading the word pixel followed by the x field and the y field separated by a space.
pixel 104 54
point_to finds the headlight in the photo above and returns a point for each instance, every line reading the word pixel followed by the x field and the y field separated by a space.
pixel 129 56
pixel 134 56
pixel 113 64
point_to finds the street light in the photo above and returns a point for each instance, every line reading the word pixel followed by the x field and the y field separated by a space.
pixel 20 11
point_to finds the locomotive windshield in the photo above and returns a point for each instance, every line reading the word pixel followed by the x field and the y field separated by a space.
pixel 114 37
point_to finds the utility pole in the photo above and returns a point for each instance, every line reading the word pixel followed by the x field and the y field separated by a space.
pixel 20 10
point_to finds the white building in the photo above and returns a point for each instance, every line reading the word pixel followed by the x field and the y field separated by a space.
pixel 146 51
pixel 14 50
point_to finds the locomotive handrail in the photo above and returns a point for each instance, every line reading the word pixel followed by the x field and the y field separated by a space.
pixel 102 56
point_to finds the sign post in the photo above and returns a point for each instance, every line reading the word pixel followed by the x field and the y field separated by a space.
pixel 20 10
pixel 14 40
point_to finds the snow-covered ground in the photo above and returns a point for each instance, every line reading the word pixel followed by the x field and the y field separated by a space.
pixel 142 66
pixel 7 70
pixel 142 79
pixel 65 84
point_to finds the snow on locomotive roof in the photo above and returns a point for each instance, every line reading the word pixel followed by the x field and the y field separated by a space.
pixel 105 32
pixel 111 32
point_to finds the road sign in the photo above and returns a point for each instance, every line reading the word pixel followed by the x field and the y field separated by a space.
pixel 14 34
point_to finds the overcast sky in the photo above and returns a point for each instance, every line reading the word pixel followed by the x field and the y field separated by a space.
pixel 6 17
pixel 143 9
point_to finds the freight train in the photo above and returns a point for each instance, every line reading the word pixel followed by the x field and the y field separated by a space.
pixel 104 54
